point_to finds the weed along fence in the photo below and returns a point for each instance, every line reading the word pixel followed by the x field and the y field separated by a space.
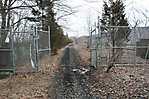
pixel 119 45
pixel 24 50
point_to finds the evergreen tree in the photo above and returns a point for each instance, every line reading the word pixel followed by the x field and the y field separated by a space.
pixel 114 15
pixel 58 39
pixel 105 21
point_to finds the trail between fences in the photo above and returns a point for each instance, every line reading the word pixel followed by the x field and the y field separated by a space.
pixel 69 83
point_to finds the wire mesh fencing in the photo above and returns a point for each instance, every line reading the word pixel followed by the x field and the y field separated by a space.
pixel 120 45
pixel 23 49
pixel 44 42
pixel 6 51
pixel 31 47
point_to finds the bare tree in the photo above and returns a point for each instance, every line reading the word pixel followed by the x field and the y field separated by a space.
pixel 6 7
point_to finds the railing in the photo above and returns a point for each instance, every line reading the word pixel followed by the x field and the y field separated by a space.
pixel 7 62
pixel 104 48
pixel 25 49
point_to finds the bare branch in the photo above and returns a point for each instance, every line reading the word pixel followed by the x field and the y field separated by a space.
pixel 19 21
pixel 12 2
pixel 65 15
pixel 20 7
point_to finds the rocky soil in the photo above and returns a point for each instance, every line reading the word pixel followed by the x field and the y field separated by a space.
pixel 70 82
pixel 122 82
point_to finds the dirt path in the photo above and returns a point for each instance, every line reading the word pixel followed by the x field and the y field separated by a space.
pixel 70 84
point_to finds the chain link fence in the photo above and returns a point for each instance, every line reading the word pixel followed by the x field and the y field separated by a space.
pixel 120 45
pixel 44 45
pixel 7 52
pixel 24 49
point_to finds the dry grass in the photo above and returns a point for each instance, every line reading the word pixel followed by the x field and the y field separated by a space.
pixel 26 85
pixel 121 83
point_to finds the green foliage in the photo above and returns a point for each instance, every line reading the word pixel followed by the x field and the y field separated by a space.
pixel 58 39
pixel 106 15
pixel 114 15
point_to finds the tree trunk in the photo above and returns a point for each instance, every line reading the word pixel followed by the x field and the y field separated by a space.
pixel 112 60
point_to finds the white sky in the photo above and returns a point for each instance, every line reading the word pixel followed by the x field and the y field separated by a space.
pixel 76 25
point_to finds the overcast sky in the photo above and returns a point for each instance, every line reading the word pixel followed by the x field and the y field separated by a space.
pixel 76 25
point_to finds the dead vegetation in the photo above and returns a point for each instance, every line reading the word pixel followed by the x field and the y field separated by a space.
pixel 25 85
pixel 121 83
pixel 125 82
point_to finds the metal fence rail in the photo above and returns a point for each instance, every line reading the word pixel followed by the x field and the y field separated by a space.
pixel 24 50
pixel 7 62
pixel 131 51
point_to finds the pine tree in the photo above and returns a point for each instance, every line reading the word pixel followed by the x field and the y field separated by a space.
pixel 114 15
pixel 105 21
pixel 58 39
pixel 119 19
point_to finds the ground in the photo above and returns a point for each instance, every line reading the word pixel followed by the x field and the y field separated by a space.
pixel 129 82
pixel 70 83
pixel 26 85
pixel 120 83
